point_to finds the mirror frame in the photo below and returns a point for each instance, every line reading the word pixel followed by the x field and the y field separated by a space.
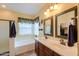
pixel 66 11
pixel 51 19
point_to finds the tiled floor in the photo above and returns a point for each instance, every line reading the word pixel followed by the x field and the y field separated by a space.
pixel 30 53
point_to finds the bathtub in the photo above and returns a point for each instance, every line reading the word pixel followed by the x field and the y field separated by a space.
pixel 24 45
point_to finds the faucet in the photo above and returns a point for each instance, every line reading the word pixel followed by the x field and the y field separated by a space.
pixel 62 42
pixel 46 37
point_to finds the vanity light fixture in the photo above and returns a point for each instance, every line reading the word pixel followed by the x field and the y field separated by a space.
pixel 55 7
pixel 4 6
pixel 52 7
pixel 48 10
pixel 45 13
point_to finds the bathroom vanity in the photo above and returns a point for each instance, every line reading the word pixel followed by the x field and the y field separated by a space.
pixel 52 47
pixel 42 50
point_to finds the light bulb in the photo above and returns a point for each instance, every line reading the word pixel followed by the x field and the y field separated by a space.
pixel 55 6
pixel 48 10
pixel 51 7
pixel 45 13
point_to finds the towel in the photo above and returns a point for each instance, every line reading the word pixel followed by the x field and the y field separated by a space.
pixel 12 30
pixel 71 37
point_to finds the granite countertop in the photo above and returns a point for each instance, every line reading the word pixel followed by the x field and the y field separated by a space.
pixel 54 44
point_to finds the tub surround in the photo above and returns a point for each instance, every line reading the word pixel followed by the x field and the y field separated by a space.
pixel 54 45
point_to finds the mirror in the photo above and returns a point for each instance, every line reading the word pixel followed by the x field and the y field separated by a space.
pixel 48 26
pixel 63 21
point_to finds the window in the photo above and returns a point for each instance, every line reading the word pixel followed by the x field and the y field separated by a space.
pixel 36 28
pixel 25 28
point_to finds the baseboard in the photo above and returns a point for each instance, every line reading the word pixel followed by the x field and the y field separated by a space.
pixel 5 53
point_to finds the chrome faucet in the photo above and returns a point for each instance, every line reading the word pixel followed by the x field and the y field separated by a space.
pixel 62 42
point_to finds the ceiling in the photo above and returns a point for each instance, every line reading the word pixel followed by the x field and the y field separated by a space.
pixel 26 8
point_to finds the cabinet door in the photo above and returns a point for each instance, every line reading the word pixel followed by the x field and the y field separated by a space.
pixel 44 51
pixel 41 53
pixel 37 47
pixel 55 54
pixel 48 51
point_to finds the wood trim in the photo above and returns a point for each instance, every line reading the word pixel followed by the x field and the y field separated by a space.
pixel 66 11
pixel 36 19
pixel 6 20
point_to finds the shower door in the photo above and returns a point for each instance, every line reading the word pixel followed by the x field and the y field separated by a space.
pixel 4 36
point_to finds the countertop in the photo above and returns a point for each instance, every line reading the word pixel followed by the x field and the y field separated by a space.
pixel 54 45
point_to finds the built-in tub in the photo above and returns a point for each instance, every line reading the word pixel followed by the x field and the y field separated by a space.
pixel 23 45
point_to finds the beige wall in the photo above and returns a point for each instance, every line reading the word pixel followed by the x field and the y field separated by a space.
pixel 12 15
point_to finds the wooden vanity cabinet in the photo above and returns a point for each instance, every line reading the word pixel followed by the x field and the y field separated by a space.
pixel 42 50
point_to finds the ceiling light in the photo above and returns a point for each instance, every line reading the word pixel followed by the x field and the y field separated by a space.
pixel 51 7
pixel 55 6
pixel 45 13
pixel 4 6
pixel 48 10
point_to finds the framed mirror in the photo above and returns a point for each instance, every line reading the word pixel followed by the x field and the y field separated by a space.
pixel 48 26
pixel 63 20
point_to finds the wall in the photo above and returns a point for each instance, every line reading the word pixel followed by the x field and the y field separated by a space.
pixel 5 13
pixel 61 7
